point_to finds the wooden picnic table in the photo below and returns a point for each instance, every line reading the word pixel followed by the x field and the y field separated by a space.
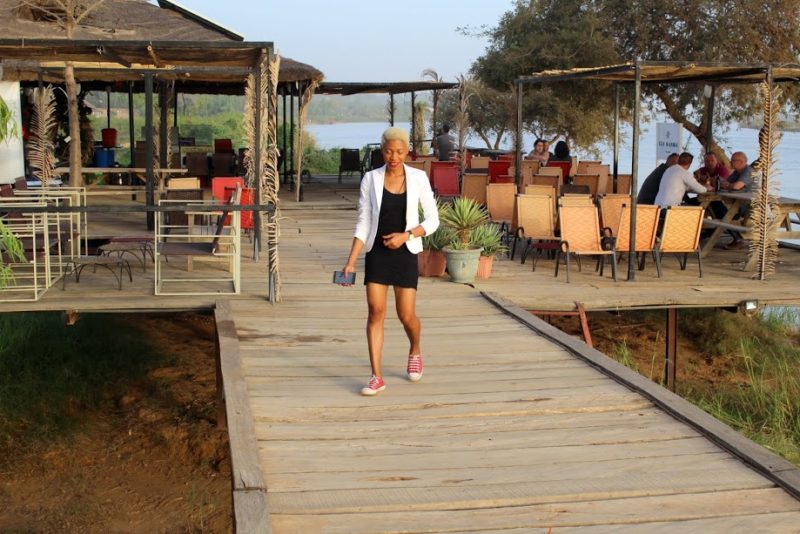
pixel 788 213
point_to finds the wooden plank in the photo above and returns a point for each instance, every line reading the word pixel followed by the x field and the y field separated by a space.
pixel 764 461
pixel 246 471
pixel 594 492
pixel 638 514
pixel 250 512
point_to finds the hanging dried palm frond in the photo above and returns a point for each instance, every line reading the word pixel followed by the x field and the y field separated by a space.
pixel 249 130
pixel 270 176
pixel 465 93
pixel 764 207
pixel 41 145
pixel 305 99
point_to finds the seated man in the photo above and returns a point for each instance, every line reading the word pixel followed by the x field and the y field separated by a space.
pixel 649 190
pixel 443 144
pixel 676 181
pixel 712 171
pixel 740 180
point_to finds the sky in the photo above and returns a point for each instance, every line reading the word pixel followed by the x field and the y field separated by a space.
pixel 360 41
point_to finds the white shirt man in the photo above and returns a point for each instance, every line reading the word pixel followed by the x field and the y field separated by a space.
pixel 676 181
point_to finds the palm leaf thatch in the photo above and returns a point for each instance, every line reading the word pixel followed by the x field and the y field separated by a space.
pixel 271 177
pixel 305 99
pixel 764 207
pixel 41 147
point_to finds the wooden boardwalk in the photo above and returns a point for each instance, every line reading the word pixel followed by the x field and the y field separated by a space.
pixel 514 426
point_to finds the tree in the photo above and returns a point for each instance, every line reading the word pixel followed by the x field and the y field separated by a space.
pixel 544 34
pixel 69 14
pixel 491 112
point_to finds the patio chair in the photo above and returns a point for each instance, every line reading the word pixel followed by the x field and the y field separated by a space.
pixel 529 167
pixel 183 183
pixel 479 163
pixel 646 229
pixel 565 167
pixel 222 164
pixel 570 189
pixel 21 184
pixel 583 166
pixel 552 171
pixel 174 220
pixel 580 236
pixel 503 179
pixel 500 204
pixel 610 209
pixel 496 168
pixel 545 179
pixel 225 243
pixel 223 146
pixel 535 224
pixel 592 181
pixel 350 161
pixel 437 167
pixel 575 200
pixel 624 184
pixel 681 234
pixel 445 182
pixel 474 186
pixel 603 171
pixel 220 183
pixel 376 159
pixel 420 164
pixel 197 165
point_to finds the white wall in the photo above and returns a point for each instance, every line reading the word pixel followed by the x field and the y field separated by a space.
pixel 12 160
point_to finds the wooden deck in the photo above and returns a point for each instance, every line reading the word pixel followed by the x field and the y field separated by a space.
pixel 514 426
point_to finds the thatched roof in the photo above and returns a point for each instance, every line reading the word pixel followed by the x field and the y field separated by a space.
pixel 672 72
pixel 123 39
pixel 129 20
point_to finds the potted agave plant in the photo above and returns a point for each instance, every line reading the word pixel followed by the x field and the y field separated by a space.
pixel 490 239
pixel 432 260
pixel 462 217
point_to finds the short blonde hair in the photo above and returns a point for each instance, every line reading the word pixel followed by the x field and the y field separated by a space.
pixel 394 134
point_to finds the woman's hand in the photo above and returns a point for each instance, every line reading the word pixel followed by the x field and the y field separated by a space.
pixel 347 269
pixel 395 240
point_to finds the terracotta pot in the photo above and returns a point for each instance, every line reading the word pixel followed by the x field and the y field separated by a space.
pixel 484 267
pixel 431 262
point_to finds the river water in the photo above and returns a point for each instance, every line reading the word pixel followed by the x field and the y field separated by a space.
pixel 358 134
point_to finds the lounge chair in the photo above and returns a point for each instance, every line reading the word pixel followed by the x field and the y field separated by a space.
pixel 681 234
pixel 580 236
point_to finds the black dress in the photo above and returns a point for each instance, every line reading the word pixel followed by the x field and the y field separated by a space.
pixel 385 266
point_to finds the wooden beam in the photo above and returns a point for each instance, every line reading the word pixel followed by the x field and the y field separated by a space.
pixel 110 54
pixel 152 53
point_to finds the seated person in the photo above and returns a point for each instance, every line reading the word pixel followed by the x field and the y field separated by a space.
pixel 649 190
pixel 676 181
pixel 561 152
pixel 740 180
pixel 539 152
pixel 443 144
pixel 712 171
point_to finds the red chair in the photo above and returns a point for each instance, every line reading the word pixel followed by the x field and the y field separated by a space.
pixel 445 182
pixel 223 146
pixel 247 198
pixel 503 179
pixel 219 184
pixel 506 157
pixel 497 168
pixel 436 165
pixel 565 167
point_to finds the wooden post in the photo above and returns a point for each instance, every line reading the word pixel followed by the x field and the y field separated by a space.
pixel 108 106
pixel 710 119
pixel 162 126
pixel 148 126
pixel 291 136
pixel 616 138
pixel 391 110
pixel 132 133
pixel 671 349
pixel 637 110
pixel 413 122
pixel 285 143
pixel 518 158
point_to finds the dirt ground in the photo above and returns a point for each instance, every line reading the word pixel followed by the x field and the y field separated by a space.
pixel 150 460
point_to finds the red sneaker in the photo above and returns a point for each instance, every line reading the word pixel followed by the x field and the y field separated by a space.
pixel 374 386
pixel 414 368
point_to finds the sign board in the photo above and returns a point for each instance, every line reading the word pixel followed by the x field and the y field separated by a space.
pixel 669 139
pixel 12 160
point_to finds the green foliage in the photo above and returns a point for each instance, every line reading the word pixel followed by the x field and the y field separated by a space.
pixel 8 126
pixel 50 373
pixel 321 161
pixel 11 249
pixel 489 238
pixel 538 35
pixel 492 113
pixel 443 235
pixel 462 217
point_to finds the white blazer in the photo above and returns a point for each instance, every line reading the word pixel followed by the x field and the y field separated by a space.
pixel 418 193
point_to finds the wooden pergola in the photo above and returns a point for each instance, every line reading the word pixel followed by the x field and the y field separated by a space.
pixel 652 72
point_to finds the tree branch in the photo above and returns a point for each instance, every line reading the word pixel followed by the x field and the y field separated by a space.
pixel 88 10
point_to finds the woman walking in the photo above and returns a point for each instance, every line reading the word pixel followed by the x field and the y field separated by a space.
pixel 390 231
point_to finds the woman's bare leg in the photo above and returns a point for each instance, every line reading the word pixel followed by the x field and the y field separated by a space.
pixel 406 301
pixel 376 301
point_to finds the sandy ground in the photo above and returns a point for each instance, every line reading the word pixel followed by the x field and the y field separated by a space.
pixel 150 460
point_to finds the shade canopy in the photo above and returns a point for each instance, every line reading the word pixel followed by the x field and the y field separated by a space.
pixel 392 88
pixel 671 72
